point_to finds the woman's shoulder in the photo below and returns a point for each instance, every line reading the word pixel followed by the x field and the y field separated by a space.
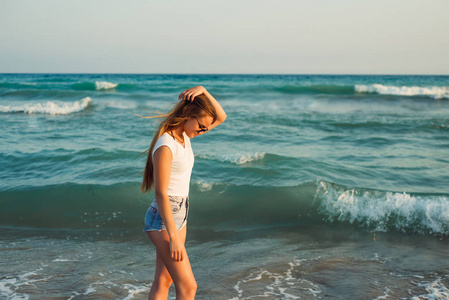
pixel 165 136
pixel 165 140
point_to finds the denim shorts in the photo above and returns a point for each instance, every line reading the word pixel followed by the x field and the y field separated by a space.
pixel 180 210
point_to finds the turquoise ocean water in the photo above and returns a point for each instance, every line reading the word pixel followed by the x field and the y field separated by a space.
pixel 315 187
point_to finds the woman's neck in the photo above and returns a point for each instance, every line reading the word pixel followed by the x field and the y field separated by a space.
pixel 178 133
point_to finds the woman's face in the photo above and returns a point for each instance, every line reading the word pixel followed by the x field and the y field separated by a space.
pixel 193 125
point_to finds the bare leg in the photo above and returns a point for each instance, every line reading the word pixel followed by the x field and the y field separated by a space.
pixel 166 269
pixel 162 281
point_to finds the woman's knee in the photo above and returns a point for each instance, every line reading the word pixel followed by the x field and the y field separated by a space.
pixel 194 286
pixel 187 288
pixel 163 283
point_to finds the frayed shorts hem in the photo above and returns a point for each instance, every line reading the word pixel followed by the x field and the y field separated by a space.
pixel 154 229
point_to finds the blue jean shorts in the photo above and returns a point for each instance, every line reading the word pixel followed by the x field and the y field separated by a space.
pixel 180 210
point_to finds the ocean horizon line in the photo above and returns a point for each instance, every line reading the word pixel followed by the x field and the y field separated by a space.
pixel 232 74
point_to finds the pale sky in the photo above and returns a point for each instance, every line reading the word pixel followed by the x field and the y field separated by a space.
pixel 207 36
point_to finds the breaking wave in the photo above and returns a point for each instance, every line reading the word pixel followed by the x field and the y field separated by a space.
pixel 104 85
pixel 48 107
pixel 436 92
pixel 382 211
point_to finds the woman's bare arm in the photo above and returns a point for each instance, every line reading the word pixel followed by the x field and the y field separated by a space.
pixel 162 160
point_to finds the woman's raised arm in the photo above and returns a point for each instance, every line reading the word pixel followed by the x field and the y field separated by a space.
pixel 191 93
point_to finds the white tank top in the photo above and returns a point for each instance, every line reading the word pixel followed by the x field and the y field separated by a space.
pixel 181 165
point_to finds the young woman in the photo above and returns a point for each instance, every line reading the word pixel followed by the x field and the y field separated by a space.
pixel 168 167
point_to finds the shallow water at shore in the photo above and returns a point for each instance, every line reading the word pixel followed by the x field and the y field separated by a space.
pixel 319 262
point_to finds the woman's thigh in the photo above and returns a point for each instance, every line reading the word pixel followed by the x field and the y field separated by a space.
pixel 161 270
pixel 180 272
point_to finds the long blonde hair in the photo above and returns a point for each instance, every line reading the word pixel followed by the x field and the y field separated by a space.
pixel 183 110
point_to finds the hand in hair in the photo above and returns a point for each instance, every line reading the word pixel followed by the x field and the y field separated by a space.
pixel 190 94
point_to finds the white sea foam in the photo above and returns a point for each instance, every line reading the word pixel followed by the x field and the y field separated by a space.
pixel 280 285
pixel 385 295
pixel 204 186
pixel 134 290
pixel 9 285
pixel 7 290
pixel 122 104
pixel 436 290
pixel 48 107
pixel 104 85
pixel 63 260
pixel 237 158
pixel 381 210
pixel 436 92
pixel 244 158
pixel 87 292
pixel 92 288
